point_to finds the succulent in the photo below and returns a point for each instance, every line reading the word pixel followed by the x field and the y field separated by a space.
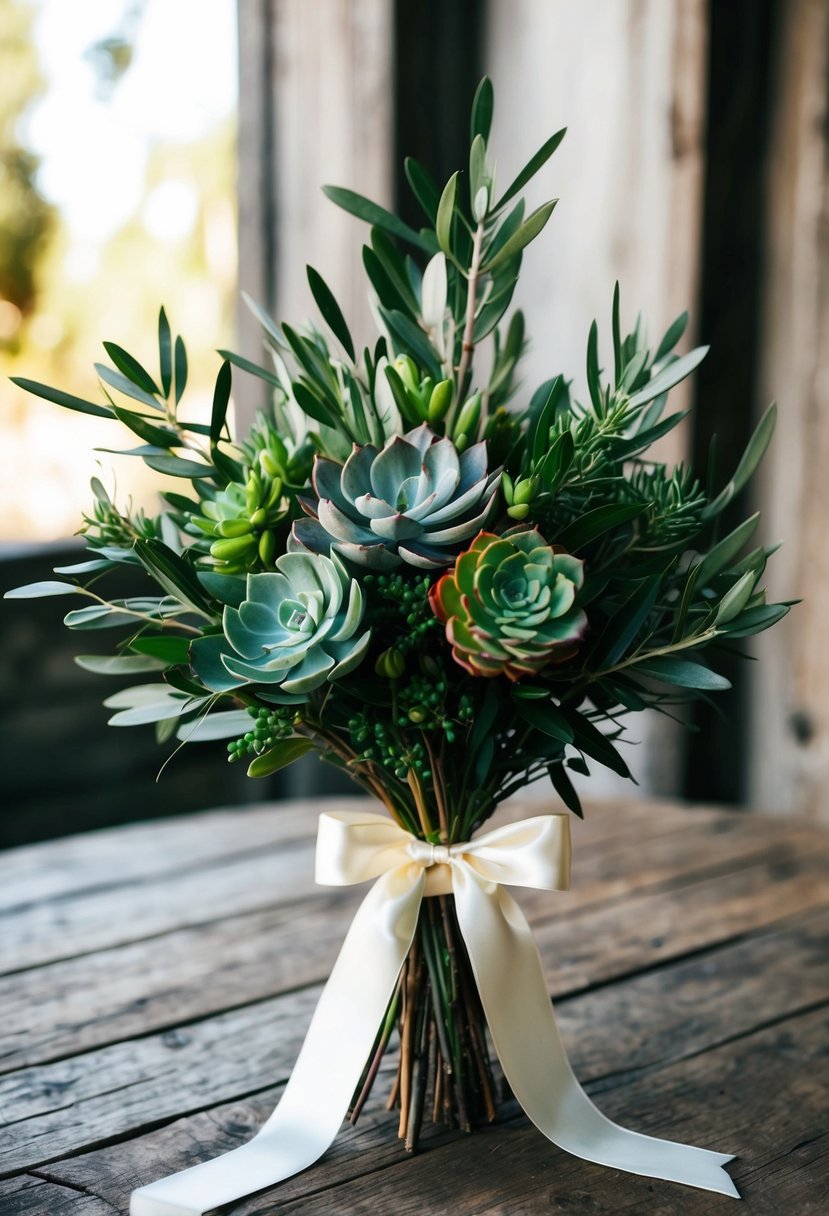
pixel 416 501
pixel 509 605
pixel 297 627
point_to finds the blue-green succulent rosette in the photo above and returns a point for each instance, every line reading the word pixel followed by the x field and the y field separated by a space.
pixel 415 501
pixel 297 627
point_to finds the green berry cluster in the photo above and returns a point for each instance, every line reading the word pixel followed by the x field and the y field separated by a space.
pixel 377 745
pixel 270 725
pixel 399 597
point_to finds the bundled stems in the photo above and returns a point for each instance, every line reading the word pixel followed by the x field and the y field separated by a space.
pixel 444 1064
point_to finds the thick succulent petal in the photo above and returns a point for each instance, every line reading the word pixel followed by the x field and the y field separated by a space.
pixel 418 498
pixel 509 605
pixel 296 628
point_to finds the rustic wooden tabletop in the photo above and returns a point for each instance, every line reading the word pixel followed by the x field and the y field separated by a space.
pixel 156 982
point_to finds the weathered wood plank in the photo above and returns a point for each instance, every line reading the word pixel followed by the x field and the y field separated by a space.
pixel 777 1130
pixel 28 1196
pixel 605 865
pixel 58 1108
pixel 191 973
pixel 681 1012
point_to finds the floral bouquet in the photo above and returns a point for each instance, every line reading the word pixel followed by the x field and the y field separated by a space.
pixel 444 585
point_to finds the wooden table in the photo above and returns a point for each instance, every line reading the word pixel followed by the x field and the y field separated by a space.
pixel 156 982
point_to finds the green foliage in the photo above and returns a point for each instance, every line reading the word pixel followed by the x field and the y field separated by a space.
pixel 327 577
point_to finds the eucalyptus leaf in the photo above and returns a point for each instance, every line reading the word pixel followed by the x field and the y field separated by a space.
pixel 165 352
pixel 36 591
pixel 528 231
pixel 118 664
pixel 373 213
pixel 330 310
pixel 684 673
pixel 131 368
pixel 670 376
pixel 482 106
pixel 445 215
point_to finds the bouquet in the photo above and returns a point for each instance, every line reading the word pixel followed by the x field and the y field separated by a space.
pixel 444 584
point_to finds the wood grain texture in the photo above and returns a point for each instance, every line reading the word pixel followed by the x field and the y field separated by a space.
pixel 789 761
pixel 687 966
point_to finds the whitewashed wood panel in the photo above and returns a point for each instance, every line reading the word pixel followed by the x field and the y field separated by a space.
pixel 628 80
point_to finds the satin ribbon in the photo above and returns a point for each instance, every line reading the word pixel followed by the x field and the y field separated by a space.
pixel 352 847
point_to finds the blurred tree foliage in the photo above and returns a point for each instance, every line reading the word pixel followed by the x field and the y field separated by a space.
pixel 26 219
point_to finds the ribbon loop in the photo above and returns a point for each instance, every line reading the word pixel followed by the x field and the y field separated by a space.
pixel 354 847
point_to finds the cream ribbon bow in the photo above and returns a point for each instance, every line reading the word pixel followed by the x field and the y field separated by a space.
pixel 352 847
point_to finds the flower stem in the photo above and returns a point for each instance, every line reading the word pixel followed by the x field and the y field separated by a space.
pixel 468 338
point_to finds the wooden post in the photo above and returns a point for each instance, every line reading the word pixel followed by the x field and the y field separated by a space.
pixel 628 79
pixel 789 761
pixel 316 106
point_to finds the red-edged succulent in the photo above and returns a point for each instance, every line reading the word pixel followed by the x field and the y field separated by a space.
pixel 509 605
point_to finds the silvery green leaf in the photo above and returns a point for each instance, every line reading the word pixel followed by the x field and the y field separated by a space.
pixel 669 376
pixel 225 725
pixel 34 591
pixel 118 664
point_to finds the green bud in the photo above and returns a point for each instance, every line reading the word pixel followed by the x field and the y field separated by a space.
pixel 276 492
pixel 508 486
pixel 406 369
pixel 258 517
pixel 390 664
pixel 519 511
pixel 469 416
pixel 233 527
pixel 267 464
pixel 524 490
pixel 440 401
pixel 462 443
pixel 418 714
pixel 227 550
pixel 267 548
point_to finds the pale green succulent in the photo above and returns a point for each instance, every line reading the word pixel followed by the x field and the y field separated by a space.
pixel 296 628
pixel 416 501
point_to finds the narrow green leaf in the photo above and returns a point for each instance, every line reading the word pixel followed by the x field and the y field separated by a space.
pixel 482 106
pixel 253 369
pixel 97 616
pixel 174 466
pixel 672 335
pixel 36 591
pixel 446 211
pixel 283 753
pixel 156 436
pixel 625 624
pixel 547 718
pixel 563 786
pixel 483 760
pixel 598 521
pixel 735 599
pixel 180 368
pixel 528 231
pixel 117 664
pixel 477 168
pixel 175 575
pixel 423 187
pixel 311 404
pixel 532 166
pixel 58 397
pixel 171 651
pixel 225 725
pixel 165 352
pixel 683 673
pixel 617 335
pixel 330 310
pixel 755 620
pixel 724 552
pixel 593 371
pixel 413 341
pixel 670 376
pixel 589 739
pixel 131 368
pixel 122 385
pixel 221 400
pixel 373 213
pixel 753 454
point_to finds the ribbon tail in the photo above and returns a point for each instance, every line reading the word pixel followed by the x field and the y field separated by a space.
pixel 510 979
pixel 339 1040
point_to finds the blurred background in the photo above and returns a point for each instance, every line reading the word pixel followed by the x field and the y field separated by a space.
pixel 165 151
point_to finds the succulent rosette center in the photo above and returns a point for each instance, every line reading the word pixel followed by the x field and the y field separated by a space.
pixel 296 628
pixel 509 605
pixel 416 501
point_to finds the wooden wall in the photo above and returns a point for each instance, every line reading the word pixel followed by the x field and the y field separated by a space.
pixel 323 90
